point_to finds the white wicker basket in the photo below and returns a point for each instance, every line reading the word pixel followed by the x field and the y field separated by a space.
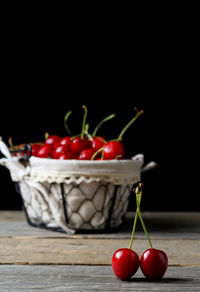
pixel 73 195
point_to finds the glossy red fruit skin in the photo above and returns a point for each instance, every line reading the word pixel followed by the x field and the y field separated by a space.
pixel 64 156
pixel 98 143
pixel 65 141
pixel 59 149
pixel 53 139
pixel 125 263
pixel 154 263
pixel 78 144
pixel 45 151
pixel 86 154
pixel 19 154
pixel 35 148
pixel 113 149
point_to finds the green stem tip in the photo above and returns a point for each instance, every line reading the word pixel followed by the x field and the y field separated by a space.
pixel 138 113
pixel 90 138
pixel 102 122
pixel 84 121
pixel 66 123
pixel 46 136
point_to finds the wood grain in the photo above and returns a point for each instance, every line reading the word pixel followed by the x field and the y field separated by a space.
pixel 172 232
pixel 92 278
pixel 184 225
pixel 29 250
pixel 42 260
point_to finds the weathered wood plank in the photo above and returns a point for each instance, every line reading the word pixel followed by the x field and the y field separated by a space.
pixel 160 225
pixel 172 232
pixel 28 250
pixel 92 278
pixel 7 216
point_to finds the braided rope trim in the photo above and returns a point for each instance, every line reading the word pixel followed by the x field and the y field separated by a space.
pixel 119 180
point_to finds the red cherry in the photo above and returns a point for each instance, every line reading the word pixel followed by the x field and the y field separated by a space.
pixel 35 148
pixel 114 149
pixel 86 154
pixel 64 156
pixel 45 151
pixel 98 142
pixel 19 154
pixel 154 263
pixel 59 149
pixel 53 139
pixel 65 141
pixel 125 263
pixel 78 144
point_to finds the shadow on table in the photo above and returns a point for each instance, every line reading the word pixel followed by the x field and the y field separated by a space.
pixel 166 280
pixel 173 222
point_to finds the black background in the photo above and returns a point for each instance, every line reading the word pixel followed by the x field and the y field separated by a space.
pixel 46 72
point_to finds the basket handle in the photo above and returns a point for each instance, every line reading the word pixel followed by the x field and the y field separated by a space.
pixel 8 154
pixel 4 149
pixel 148 166
pixel 25 149
pixel 17 169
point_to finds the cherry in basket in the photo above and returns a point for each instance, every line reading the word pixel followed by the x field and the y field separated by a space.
pixel 58 149
pixel 114 149
pixel 45 151
pixel 80 142
pixel 86 154
pixel 52 140
pixel 65 141
pixel 98 141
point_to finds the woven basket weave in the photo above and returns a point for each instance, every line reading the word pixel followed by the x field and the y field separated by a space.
pixel 72 195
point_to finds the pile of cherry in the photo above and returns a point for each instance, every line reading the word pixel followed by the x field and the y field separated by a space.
pixel 126 262
pixel 84 146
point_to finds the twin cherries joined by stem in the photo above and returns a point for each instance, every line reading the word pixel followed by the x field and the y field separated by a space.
pixel 126 262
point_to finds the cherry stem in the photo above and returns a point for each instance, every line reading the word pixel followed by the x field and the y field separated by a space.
pixel 46 136
pixel 73 137
pixel 138 192
pixel 102 154
pixel 10 142
pixel 95 153
pixel 65 122
pixel 100 139
pixel 133 231
pixel 129 124
pixel 135 222
pixel 118 157
pixel 87 133
pixel 102 122
pixel 84 121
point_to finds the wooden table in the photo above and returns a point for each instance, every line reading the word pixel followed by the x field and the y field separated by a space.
pixel 33 259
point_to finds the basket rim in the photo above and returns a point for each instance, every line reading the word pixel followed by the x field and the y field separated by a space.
pixel 133 160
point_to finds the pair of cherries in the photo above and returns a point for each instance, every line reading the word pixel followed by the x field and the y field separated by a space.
pixel 84 146
pixel 126 262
